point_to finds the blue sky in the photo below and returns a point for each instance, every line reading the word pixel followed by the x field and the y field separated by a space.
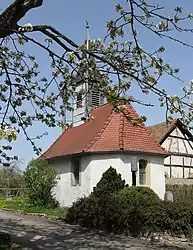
pixel 69 17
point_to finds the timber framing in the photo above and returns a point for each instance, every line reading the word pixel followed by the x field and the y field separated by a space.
pixel 182 128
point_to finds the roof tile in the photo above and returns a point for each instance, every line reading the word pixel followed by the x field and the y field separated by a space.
pixel 107 131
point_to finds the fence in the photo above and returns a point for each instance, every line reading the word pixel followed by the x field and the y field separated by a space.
pixel 13 191
pixel 178 181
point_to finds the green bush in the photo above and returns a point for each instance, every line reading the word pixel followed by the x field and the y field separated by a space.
pixel 107 214
pixel 135 210
pixel 83 212
pixel 111 182
pixel 174 218
pixel 40 180
pixel 139 196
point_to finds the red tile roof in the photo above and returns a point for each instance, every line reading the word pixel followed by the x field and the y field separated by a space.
pixel 106 130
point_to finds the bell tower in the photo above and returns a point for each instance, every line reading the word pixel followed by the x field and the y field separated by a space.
pixel 86 95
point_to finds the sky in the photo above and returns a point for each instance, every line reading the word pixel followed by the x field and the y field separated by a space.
pixel 69 17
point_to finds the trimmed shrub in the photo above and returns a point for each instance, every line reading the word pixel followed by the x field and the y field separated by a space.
pixel 140 196
pixel 175 218
pixel 112 207
pixel 40 180
pixel 108 214
pixel 83 212
pixel 110 183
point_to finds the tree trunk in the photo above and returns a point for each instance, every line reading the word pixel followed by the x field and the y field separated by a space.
pixel 10 17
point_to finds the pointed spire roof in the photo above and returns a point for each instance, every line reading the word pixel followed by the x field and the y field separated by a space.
pixel 105 131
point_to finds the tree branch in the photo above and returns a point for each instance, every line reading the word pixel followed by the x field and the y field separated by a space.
pixel 14 13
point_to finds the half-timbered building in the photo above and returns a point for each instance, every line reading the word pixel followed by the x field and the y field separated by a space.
pixel 178 141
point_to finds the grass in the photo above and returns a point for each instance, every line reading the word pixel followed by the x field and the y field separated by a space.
pixel 11 247
pixel 22 204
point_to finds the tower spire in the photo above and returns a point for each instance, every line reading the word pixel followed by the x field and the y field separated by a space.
pixel 87 74
pixel 87 37
pixel 86 96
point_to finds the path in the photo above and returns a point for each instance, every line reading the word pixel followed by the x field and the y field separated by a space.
pixel 39 233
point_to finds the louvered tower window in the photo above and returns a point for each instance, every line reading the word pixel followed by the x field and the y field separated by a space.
pixel 95 98
pixel 79 100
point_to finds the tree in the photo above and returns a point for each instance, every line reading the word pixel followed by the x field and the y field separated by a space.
pixel 121 58
pixel 11 176
pixel 40 179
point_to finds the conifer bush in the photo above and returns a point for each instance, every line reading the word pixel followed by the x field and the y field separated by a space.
pixel 111 182
pixel 113 207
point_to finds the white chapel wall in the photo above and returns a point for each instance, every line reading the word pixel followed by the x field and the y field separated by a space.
pixel 100 164
pixel 65 192
pixel 122 163
pixel 93 166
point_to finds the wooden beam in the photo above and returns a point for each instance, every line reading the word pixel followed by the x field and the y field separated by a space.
pixel 170 166
pixel 181 154
pixel 190 143
pixel 183 166
pixel 179 137
pixel 176 165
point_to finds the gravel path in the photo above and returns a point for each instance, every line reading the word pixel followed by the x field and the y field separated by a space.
pixel 38 233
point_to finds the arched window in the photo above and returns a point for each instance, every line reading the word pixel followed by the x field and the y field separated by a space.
pixel 75 171
pixel 142 171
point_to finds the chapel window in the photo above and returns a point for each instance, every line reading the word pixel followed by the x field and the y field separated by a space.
pixel 142 171
pixel 75 172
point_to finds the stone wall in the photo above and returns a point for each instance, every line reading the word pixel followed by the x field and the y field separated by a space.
pixel 178 181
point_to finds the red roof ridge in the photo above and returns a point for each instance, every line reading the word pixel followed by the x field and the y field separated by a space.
pixel 121 126
pixel 101 106
pixel 101 131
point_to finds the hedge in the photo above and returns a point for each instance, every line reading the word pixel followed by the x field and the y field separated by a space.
pixel 132 210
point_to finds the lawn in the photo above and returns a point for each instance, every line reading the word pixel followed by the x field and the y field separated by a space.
pixel 22 204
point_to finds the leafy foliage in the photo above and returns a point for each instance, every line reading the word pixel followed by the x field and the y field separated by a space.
pixel 133 210
pixel 11 176
pixel 115 57
pixel 40 180
pixel 110 183
pixel 107 214
pixel 140 196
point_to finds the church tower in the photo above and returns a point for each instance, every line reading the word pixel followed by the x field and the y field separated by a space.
pixel 86 95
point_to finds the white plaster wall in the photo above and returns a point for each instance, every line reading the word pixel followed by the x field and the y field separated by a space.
pixel 92 168
pixel 177 145
pixel 158 175
pixel 122 163
pixel 65 192
pixel 100 163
